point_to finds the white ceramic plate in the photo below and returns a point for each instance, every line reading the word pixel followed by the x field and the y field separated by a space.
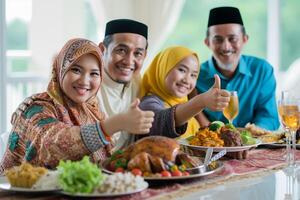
pixel 8 187
pixel 268 143
pixel 278 144
pixel 184 142
pixel 143 187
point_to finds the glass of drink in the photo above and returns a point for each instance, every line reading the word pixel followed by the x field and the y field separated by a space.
pixel 232 110
pixel 289 112
pixel 289 158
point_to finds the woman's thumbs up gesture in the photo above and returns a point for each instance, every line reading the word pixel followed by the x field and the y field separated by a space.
pixel 215 98
pixel 136 120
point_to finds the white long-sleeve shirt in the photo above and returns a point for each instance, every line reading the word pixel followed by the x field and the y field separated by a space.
pixel 116 98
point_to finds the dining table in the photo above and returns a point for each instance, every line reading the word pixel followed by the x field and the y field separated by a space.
pixel 263 175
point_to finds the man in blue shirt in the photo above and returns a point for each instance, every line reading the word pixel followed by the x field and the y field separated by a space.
pixel 251 77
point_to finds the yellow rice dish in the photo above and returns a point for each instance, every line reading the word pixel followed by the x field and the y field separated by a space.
pixel 24 175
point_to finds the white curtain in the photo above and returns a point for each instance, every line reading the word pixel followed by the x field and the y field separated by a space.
pixel 291 79
pixel 52 24
pixel 160 15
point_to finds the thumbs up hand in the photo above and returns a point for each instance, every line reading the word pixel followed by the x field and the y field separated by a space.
pixel 217 83
pixel 135 104
pixel 215 98
pixel 138 121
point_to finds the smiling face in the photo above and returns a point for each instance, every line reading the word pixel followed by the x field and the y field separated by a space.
pixel 124 56
pixel 226 42
pixel 181 80
pixel 83 78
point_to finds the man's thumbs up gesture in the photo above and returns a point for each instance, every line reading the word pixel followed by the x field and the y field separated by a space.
pixel 217 83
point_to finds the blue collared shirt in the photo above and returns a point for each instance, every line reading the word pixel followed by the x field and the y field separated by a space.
pixel 255 84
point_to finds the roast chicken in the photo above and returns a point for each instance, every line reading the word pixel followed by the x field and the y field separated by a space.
pixel 154 154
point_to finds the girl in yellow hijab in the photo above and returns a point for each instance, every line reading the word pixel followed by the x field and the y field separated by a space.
pixel 167 82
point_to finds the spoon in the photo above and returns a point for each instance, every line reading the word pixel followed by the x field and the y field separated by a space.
pixel 208 155
pixel 217 156
pixel 207 160
pixel 200 169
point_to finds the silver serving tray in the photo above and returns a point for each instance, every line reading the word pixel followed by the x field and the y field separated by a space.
pixel 196 172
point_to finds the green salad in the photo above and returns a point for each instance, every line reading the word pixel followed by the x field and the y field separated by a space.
pixel 79 176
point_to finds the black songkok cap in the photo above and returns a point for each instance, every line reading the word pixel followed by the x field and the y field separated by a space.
pixel 126 26
pixel 224 15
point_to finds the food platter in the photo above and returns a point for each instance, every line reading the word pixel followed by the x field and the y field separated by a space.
pixel 97 194
pixel 205 171
pixel 278 145
pixel 7 187
pixel 185 143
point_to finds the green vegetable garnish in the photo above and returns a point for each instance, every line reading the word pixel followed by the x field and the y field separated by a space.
pixel 122 162
pixel 247 140
pixel 115 155
pixel 214 126
pixel 230 126
pixel 79 176
pixel 246 133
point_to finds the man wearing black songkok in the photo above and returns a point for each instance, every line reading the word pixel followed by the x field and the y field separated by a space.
pixel 124 49
pixel 251 77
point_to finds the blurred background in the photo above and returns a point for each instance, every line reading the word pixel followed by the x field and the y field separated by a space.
pixel 33 31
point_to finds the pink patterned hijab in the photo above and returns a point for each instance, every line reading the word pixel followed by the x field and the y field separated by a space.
pixel 84 113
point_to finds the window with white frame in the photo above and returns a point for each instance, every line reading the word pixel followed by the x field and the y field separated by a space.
pixel 29 26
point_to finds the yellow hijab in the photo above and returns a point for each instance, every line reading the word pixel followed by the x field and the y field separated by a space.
pixel 153 81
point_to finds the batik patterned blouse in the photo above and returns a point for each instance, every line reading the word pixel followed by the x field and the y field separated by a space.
pixel 53 127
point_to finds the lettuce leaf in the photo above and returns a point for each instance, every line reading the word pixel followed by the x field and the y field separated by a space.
pixel 79 176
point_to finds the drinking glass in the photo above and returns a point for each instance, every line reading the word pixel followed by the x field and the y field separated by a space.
pixel 288 156
pixel 292 185
pixel 289 112
pixel 232 110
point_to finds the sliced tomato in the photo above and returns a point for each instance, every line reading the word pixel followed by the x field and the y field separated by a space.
pixel 185 174
pixel 165 173
pixel 136 172
pixel 176 173
pixel 120 169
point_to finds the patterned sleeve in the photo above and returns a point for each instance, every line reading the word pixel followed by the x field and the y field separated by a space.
pixel 164 119
pixel 41 139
